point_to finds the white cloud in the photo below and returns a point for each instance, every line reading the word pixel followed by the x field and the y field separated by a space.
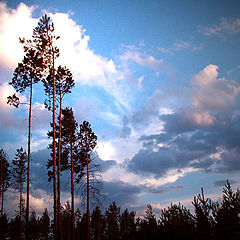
pixel 14 24
pixel 142 59
pixel 87 66
pixel 111 118
pixel 5 91
pixel 227 25
pixel 211 93
pixel 105 150
pixel 75 53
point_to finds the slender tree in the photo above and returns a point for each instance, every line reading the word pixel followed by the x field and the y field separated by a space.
pixel 44 41
pixel 87 141
pixel 25 75
pixel 97 223
pixel 4 177
pixel 44 225
pixel 63 84
pixel 113 222
pixel 69 137
pixel 18 174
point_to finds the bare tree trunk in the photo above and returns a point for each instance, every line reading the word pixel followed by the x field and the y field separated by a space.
pixel 54 157
pixel 2 201
pixel 1 195
pixel 88 208
pixel 20 200
pixel 72 193
pixel 59 168
pixel 29 153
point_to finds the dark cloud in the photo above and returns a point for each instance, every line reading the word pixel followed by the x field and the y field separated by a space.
pixel 104 165
pixel 123 193
pixel 213 148
pixel 39 171
pixel 125 132
pixel 222 183
pixel 162 189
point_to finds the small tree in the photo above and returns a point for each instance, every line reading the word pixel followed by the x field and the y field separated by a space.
pixel 97 223
pixel 227 214
pixel 4 177
pixel 18 179
pixel 177 222
pixel 113 222
pixel 87 141
pixel 127 225
pixel 44 225
pixel 203 216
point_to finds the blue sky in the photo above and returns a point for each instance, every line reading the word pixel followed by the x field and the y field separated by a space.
pixel 158 81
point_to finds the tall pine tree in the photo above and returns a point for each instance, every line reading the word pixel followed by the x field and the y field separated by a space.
pixel 44 40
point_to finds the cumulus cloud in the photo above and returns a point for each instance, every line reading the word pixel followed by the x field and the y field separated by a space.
pixel 226 26
pixel 14 24
pixel 87 66
pixel 211 93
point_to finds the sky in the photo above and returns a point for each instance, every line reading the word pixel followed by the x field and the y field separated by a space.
pixel 159 81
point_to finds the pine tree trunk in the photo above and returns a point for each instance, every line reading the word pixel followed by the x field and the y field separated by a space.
pixel 88 208
pixel 54 157
pixel 59 168
pixel 1 194
pixel 72 193
pixel 29 153
pixel 20 202
pixel 2 200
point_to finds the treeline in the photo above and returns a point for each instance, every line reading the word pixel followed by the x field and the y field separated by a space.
pixel 210 220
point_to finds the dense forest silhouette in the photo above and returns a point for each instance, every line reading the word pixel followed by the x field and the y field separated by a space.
pixel 72 149
pixel 210 220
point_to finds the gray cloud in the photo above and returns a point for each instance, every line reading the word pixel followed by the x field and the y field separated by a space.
pixel 212 148
pixel 222 183
pixel 123 193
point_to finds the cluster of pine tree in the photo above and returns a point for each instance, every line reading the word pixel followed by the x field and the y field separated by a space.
pixel 72 143
pixel 210 220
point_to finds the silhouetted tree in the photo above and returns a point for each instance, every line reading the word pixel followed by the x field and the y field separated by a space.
pixel 34 226
pixel 14 227
pixel 3 226
pixel 4 177
pixel 97 224
pixel 78 217
pixel 203 216
pixel 227 215
pixel 177 222
pixel 18 179
pixel 66 222
pixel 113 222
pixel 127 225
pixel 148 225
pixel 44 226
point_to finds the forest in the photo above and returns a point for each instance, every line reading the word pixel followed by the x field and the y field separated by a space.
pixel 72 150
